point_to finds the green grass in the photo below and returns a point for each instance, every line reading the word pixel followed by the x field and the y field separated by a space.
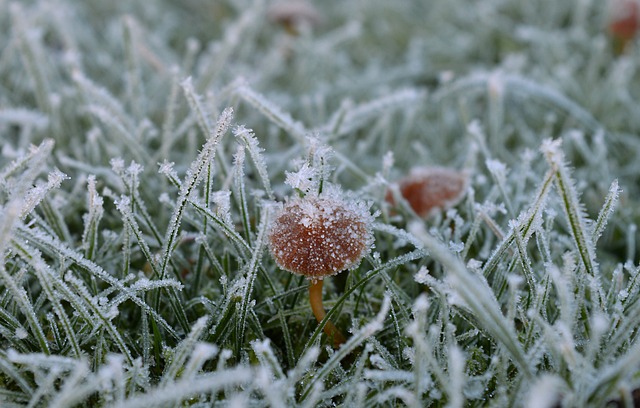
pixel 146 146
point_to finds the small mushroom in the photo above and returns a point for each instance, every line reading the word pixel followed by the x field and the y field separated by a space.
pixel 319 236
pixel 429 189
pixel 294 15
pixel 624 23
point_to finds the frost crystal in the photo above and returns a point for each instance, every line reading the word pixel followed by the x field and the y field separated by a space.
pixel 21 333
pixel 422 275
pixel 320 236
pixel 498 169
pixel 166 168
pixel 302 179
pixel 222 200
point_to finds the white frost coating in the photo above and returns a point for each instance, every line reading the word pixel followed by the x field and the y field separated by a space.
pixel 573 209
pixel 42 360
pixel 117 165
pixel 421 304
pixel 474 265
pixel 456 377
pixel 124 205
pixel 35 195
pixel 21 333
pixel 552 150
pixel 166 168
pixel 261 346
pixel 607 210
pixel 204 351
pixel 255 152
pixel 134 169
pixel 387 162
pixel 456 247
pixel 183 350
pixel 422 275
pixel 178 390
pixel 95 201
pixel 102 97
pixel 193 177
pixel 222 201
pixel 302 179
pixel 514 280
pixel 113 369
pixel 474 128
pixel 497 168
pixel 23 117
pixel 545 392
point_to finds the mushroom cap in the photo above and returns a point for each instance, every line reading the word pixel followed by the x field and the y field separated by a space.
pixel 428 189
pixel 320 236
pixel 624 19
pixel 293 13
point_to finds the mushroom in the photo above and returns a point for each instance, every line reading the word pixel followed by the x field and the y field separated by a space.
pixel 429 189
pixel 319 236
pixel 624 23
pixel 294 15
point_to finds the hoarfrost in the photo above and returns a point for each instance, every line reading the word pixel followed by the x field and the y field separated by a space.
pixel 302 179
pixel 21 333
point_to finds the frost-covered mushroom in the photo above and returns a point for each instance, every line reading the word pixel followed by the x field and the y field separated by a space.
pixel 624 22
pixel 294 14
pixel 319 236
pixel 428 189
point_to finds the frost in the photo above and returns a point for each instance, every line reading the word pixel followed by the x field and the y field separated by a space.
pixel 519 284
pixel 21 333
pixel 498 169
pixel 35 195
pixel 302 179
pixel 21 116
pixel 422 275
pixel 166 168
pixel 251 144
pixel 545 392
pixel 117 165
pixel 222 200
pixel 456 246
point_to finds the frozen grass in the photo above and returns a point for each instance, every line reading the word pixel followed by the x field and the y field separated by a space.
pixel 144 145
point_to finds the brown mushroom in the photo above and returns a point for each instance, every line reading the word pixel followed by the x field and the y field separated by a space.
pixel 321 236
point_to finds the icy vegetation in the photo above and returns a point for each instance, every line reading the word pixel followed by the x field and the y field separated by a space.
pixel 148 147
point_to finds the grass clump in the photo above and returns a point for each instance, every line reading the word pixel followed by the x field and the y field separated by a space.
pixel 147 148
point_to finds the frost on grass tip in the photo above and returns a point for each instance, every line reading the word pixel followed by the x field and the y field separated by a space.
pixel 318 236
pixel 428 189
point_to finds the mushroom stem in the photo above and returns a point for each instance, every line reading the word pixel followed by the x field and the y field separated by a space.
pixel 315 298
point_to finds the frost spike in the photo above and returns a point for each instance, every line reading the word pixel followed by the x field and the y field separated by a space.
pixel 251 144
pixel 194 175
pixel 252 271
pixel 609 206
pixel 573 209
